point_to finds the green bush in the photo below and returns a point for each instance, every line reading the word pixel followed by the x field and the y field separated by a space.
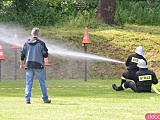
pixel 77 12
pixel 144 12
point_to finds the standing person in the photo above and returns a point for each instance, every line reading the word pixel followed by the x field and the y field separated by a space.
pixel 143 80
pixel 132 68
pixel 32 60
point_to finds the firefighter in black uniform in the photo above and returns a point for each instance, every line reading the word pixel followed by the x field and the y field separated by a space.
pixel 143 80
pixel 132 68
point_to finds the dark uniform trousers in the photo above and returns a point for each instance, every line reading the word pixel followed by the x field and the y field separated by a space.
pixel 128 75
pixel 135 87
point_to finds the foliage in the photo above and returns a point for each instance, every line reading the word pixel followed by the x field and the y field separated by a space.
pixel 36 13
pixel 48 12
pixel 146 12
pixel 51 12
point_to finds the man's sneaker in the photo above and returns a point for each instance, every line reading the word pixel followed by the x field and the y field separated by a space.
pixel 115 87
pixel 28 102
pixel 48 101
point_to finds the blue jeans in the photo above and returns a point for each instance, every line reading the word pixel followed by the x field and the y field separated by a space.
pixel 40 73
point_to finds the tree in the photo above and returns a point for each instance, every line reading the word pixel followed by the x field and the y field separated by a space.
pixel 106 11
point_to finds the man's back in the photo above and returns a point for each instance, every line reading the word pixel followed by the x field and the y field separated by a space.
pixel 34 52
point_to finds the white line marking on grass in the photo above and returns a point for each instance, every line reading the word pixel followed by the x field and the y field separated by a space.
pixel 17 88
pixel 53 87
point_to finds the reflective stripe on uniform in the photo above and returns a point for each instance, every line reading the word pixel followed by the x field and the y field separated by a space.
pixel 123 78
pixel 123 86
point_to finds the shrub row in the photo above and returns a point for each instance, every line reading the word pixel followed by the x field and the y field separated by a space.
pixel 78 12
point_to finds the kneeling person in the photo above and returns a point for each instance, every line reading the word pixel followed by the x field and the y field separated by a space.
pixel 132 68
pixel 143 80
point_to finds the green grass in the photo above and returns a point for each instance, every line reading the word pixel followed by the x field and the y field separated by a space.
pixel 76 100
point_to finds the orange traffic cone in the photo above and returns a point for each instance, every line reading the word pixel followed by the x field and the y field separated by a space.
pixel 46 63
pixel 86 39
pixel 15 38
pixel 1 53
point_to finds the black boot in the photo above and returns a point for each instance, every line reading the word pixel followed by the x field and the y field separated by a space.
pixel 117 88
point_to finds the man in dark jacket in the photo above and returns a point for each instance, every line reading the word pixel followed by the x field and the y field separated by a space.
pixel 132 68
pixel 143 80
pixel 32 60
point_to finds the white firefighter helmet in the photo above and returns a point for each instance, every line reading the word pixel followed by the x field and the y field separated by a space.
pixel 139 50
pixel 142 64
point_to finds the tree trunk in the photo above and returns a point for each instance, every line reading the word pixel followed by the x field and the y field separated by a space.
pixel 106 11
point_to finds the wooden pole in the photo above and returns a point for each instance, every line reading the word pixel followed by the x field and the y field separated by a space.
pixel 85 64
pixel 15 68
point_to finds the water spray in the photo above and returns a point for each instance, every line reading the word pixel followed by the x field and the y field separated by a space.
pixel 55 50
pixel 7 36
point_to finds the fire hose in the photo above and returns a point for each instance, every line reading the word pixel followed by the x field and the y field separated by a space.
pixel 155 89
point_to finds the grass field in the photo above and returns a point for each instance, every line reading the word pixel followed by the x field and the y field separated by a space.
pixel 76 100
